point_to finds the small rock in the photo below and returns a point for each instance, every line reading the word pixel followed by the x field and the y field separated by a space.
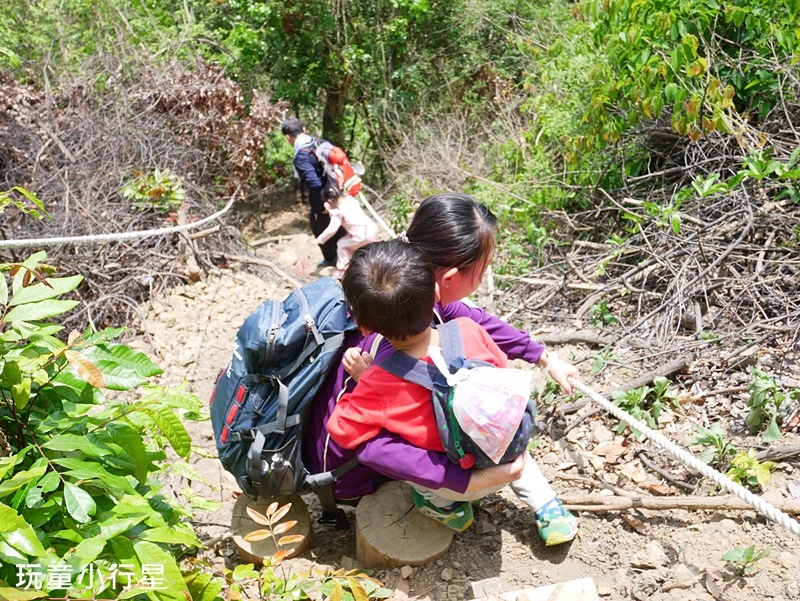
pixel 602 434
pixel 406 571
pixel 455 592
pixel 790 561
pixel 456 565
pixel 446 575
pixel 348 563
pixel 486 588
pixel 652 556
pixel 484 526
pixel 605 591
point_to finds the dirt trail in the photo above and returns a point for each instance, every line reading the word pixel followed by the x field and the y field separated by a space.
pixel 190 331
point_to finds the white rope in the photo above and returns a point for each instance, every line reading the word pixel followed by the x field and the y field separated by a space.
pixel 39 242
pixel 773 513
pixel 377 217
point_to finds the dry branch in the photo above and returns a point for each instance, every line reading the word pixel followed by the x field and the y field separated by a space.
pixel 601 503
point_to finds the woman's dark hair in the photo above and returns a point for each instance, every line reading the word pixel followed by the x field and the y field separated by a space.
pixel 390 287
pixel 454 230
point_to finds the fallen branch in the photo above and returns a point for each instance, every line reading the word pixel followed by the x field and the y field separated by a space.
pixel 598 503
pixel 779 453
pixel 259 261
pixel 674 366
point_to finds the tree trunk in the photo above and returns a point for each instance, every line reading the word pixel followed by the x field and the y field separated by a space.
pixel 333 115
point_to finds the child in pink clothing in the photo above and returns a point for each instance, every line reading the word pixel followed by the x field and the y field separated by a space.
pixel 345 212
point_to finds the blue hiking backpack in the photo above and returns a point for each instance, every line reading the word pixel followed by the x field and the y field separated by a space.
pixel 281 356
pixel 460 448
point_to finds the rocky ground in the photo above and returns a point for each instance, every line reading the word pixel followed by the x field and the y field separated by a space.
pixel 636 554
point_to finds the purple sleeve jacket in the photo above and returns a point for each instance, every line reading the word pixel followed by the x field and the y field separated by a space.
pixel 388 456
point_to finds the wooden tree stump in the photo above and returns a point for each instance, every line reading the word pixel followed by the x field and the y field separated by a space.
pixel 242 524
pixel 390 532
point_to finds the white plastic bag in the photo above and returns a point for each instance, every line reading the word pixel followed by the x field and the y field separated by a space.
pixel 488 402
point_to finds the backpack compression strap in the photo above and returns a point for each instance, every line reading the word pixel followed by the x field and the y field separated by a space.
pixel 423 373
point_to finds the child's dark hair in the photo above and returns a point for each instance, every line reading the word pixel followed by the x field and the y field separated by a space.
pixel 391 289
pixel 331 193
pixel 453 230
pixel 292 127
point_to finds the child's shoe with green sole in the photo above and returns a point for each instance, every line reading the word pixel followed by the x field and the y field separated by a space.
pixel 556 524
pixel 457 516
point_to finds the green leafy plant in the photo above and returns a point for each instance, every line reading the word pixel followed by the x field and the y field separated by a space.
pixel 600 315
pixel 160 190
pixel 645 403
pixel 717 448
pixel 280 585
pixel 765 402
pixel 552 392
pixel 81 454
pixel 746 469
pixel 603 358
pixel 744 559
pixel 12 197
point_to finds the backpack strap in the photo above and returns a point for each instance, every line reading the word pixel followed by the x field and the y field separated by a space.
pixel 451 341
pixel 410 369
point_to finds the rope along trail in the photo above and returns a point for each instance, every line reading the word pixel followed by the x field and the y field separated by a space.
pixel 39 242
pixel 773 513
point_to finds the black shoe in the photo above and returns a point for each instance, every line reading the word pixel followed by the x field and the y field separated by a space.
pixel 325 263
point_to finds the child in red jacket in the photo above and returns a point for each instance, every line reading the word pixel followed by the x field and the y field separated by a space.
pixel 390 287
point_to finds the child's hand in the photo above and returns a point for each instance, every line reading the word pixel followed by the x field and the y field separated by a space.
pixel 560 370
pixel 328 207
pixel 497 475
pixel 356 362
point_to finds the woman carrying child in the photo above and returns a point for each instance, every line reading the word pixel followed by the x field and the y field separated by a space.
pixel 344 211
pixel 458 236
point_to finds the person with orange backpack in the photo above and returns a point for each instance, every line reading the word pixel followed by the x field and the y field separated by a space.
pixel 318 164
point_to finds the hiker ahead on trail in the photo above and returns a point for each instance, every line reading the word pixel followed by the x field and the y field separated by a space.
pixel 311 172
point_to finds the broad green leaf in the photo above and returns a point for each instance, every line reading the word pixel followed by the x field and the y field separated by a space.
pixel 170 535
pixel 21 393
pixel 85 368
pixel 18 534
pixel 20 594
pixel 118 524
pixel 202 586
pixel 130 440
pixel 40 292
pixel 122 367
pixel 40 310
pixel 773 432
pixel 11 373
pixel 73 442
pixel 172 428
pixel 21 479
pixel 152 554
pixel 31 263
pixel 80 503
pixel 86 552
pixel 244 571
pixel 89 470
pixel 9 554
pixel 3 289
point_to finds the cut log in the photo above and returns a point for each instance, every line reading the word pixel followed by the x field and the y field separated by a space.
pixel 242 524
pixel 391 533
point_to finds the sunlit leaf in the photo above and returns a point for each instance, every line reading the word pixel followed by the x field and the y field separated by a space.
pixel 257 517
pixel 257 535
pixel 278 515
pixel 284 527
pixel 291 539
pixel 85 368
pixel 80 503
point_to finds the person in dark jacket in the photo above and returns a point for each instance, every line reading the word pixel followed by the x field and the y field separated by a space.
pixel 310 171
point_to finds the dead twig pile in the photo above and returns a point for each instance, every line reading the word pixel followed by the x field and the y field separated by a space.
pixel 75 148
